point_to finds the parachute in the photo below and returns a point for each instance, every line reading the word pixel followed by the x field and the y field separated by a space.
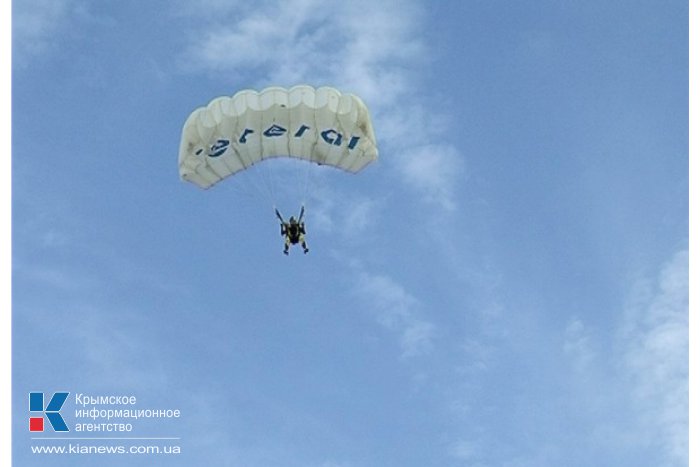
pixel 231 134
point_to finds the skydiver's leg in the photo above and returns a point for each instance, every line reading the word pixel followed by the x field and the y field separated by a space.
pixel 303 243
pixel 286 245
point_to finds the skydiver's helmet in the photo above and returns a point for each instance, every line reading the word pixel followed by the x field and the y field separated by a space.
pixel 292 220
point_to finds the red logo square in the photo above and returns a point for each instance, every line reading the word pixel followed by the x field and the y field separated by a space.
pixel 36 423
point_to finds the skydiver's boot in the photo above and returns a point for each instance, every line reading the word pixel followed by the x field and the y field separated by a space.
pixel 286 251
pixel 306 250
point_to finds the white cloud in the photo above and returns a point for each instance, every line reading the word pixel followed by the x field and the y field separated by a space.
pixel 55 277
pixel 347 215
pixel 101 340
pixel 309 40
pixel 624 391
pixel 431 168
pixel 645 405
pixel 656 361
pixel 397 310
pixel 463 450
pixel 578 346
pixel 360 215
pixel 34 23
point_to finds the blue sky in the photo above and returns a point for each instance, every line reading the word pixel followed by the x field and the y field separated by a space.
pixel 506 286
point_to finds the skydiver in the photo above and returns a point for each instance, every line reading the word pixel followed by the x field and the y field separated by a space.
pixel 293 231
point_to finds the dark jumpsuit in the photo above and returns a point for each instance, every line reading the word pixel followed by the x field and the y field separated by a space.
pixel 294 233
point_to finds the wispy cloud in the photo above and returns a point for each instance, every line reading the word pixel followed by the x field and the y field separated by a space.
pixel 34 22
pixel 642 364
pixel 578 346
pixel 463 450
pixel 430 168
pixel 285 42
pixel 359 214
pixel 656 361
pixel 397 310
pixel 645 370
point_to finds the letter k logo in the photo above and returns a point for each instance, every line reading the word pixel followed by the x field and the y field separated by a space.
pixel 51 411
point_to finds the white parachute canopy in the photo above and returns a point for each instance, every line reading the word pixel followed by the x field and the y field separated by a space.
pixel 231 134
